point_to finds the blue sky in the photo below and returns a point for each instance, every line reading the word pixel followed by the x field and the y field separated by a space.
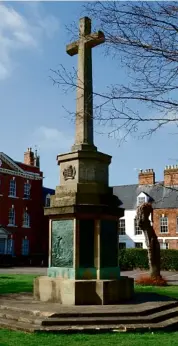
pixel 33 37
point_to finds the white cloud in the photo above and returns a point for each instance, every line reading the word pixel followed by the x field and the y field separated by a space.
pixel 49 139
pixel 19 32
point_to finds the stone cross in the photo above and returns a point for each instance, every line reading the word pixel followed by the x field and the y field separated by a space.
pixel 84 109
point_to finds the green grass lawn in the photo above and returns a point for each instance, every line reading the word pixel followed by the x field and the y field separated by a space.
pixel 9 338
pixel 11 283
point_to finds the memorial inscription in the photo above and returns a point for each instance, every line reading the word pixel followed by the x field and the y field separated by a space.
pixel 62 243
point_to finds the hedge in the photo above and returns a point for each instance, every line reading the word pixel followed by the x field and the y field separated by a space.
pixel 137 258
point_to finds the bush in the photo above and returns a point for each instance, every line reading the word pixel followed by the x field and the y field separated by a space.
pixel 145 280
pixel 138 258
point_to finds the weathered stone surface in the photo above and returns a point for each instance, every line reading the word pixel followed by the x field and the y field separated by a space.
pixel 83 292
pixel 88 167
pixel 84 195
pixel 22 312
pixel 84 107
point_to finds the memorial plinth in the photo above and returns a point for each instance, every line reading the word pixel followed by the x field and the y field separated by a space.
pixel 83 213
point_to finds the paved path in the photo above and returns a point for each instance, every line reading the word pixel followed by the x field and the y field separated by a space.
pixel 172 277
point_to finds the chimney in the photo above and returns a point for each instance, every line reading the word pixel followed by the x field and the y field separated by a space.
pixel 146 177
pixel 29 157
pixel 171 175
pixel 37 159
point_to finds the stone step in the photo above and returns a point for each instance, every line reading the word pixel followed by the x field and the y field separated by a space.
pixel 36 316
pixel 170 324
pixel 20 316
pixel 88 320
pixel 15 309
pixel 16 325
pixel 123 311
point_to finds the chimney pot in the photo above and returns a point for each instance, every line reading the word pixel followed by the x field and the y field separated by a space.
pixel 29 157
pixel 147 177
pixel 171 175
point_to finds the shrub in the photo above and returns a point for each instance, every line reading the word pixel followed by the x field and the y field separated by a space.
pixel 145 280
pixel 138 258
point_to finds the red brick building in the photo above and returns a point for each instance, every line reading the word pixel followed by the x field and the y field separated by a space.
pixel 164 198
pixel 22 224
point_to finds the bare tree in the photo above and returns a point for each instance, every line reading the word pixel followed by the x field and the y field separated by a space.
pixel 152 243
pixel 143 36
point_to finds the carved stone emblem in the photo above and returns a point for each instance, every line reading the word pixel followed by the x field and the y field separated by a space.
pixel 69 173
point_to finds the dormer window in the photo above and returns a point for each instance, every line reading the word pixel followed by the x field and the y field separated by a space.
pixel 142 198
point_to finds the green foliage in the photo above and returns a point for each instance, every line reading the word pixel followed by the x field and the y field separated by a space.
pixel 138 258
pixel 133 258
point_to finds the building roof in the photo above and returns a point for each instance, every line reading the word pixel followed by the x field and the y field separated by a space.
pixel 9 166
pixel 47 191
pixel 162 197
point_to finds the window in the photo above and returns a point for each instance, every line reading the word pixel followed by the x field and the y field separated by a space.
pixel 138 231
pixel 164 246
pixel 121 226
pixel 11 216
pixel 140 200
pixel 164 224
pixel 12 188
pixel 26 219
pixel 122 246
pixel 2 245
pixel 139 245
pixel 47 204
pixel 10 246
pixel 25 247
pixel 27 187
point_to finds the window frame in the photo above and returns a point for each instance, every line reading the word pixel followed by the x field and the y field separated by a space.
pixel 124 247
pixel 162 246
pixel 10 246
pixel 138 247
pixel 122 230
pixel 26 219
pixel 11 218
pixel 47 200
pixel 141 198
pixel 162 225
pixel 25 250
pixel 26 192
pixel 12 189
pixel 137 230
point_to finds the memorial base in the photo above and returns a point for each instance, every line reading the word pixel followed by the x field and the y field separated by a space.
pixel 83 292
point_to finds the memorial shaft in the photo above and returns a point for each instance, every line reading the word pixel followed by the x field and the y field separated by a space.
pixel 84 108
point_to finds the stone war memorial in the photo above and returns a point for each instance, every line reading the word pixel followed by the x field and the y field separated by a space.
pixel 83 214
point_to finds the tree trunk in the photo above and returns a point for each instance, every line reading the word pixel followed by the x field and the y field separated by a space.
pixel 153 246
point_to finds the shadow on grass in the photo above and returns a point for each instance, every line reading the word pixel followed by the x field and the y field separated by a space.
pixel 143 297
